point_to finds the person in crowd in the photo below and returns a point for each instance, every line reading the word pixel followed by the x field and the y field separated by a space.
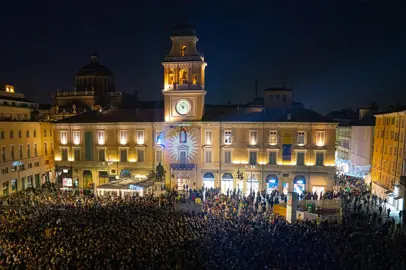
pixel 65 231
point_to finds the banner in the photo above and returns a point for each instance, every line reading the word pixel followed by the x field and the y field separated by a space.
pixel 286 152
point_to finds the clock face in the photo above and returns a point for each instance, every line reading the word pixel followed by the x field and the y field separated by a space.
pixel 183 106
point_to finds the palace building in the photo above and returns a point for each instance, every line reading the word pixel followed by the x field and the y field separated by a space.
pixel 272 143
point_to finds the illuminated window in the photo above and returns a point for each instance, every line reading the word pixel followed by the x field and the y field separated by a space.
pixel 273 137
pixel 159 139
pixel 100 137
pixel 320 138
pixel 140 137
pixel 253 137
pixel 194 79
pixel 76 137
pixel 227 137
pixel 208 136
pixel 183 50
pixel 45 148
pixel 64 136
pixel 301 138
pixel 123 136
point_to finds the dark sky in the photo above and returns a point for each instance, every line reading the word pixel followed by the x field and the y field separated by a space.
pixel 334 54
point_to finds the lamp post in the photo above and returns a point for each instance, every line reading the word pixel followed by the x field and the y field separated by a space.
pixel 239 175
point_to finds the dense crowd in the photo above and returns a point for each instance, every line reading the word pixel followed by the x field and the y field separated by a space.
pixel 45 231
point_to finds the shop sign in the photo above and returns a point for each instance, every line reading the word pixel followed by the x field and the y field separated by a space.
pixel 17 163
pixel 67 182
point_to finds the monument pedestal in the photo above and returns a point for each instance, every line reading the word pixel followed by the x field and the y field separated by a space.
pixel 291 207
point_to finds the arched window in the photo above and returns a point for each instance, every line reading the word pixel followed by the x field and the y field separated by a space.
pixel 183 50
pixel 183 76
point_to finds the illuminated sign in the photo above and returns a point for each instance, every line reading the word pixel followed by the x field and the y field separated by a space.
pixel 17 163
pixel 67 182
pixel 135 187
pixel 65 171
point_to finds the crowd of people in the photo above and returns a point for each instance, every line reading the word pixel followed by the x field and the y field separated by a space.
pixel 54 231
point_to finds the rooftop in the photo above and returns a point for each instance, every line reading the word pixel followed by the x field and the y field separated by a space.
pixel 153 112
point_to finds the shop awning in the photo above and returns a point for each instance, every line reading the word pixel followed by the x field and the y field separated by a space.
pixel 388 192
pixel 397 198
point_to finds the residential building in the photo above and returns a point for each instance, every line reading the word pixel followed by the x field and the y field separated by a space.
pixel 388 161
pixel 26 144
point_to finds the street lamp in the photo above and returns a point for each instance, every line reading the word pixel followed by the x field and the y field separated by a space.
pixel 239 175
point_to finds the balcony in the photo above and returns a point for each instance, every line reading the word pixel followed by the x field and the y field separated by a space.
pixel 183 167
pixel 184 87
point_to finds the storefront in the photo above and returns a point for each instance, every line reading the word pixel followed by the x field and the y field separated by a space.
pixel 208 180
pixel 299 184
pixel 227 183
pixel 271 183
pixel 14 185
pixel 103 177
pixel 252 186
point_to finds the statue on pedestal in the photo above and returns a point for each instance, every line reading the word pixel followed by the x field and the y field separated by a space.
pixel 74 108
pixel 159 172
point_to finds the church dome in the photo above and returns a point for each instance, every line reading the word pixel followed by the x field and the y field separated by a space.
pixel 94 77
pixel 183 29
pixel 94 68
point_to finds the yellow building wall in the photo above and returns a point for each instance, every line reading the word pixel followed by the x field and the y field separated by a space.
pixel 35 164
pixel 388 152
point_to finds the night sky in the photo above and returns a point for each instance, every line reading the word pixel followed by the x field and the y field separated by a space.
pixel 334 55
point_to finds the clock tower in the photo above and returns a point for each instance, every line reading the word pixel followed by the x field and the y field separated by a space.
pixel 184 77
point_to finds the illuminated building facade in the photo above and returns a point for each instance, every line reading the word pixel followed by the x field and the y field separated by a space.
pixel 355 134
pixel 270 144
pixel 26 143
pixel 388 163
